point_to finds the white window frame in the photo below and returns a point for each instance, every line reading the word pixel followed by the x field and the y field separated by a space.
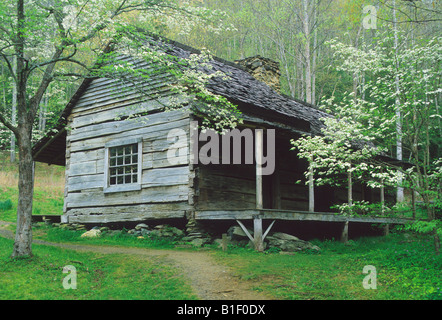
pixel 122 187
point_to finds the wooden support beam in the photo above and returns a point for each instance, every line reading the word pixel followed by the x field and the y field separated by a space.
pixel 257 234
pixel 386 229
pixel 344 234
pixel 350 190
pixel 382 199
pixel 245 230
pixel 258 159
pixel 224 242
pixel 311 191
pixel 268 230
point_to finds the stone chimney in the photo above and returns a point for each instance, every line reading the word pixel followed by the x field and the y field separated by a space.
pixel 263 69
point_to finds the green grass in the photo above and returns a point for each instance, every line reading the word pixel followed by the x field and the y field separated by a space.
pixel 55 234
pixel 406 269
pixel 99 277
pixel 48 189
pixel 406 265
pixel 43 204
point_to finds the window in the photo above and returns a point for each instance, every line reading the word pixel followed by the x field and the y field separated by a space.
pixel 123 165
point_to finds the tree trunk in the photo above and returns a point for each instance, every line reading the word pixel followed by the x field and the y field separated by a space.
pixel 307 54
pixel 13 112
pixel 23 133
pixel 400 189
pixel 23 235
pixel 436 242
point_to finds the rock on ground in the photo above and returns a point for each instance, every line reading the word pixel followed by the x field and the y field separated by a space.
pixel 93 233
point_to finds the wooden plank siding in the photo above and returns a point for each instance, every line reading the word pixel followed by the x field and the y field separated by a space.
pixel 99 117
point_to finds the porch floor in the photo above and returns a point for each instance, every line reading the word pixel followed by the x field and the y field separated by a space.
pixel 276 214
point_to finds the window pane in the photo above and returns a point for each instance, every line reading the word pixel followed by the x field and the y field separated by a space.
pixel 123 164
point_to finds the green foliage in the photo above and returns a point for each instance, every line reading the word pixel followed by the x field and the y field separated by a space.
pixel 5 205
pixel 426 227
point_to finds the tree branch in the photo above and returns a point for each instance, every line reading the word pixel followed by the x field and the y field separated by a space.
pixel 8 125
pixel 10 67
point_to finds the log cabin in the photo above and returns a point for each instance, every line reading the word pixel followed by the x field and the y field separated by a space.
pixel 121 168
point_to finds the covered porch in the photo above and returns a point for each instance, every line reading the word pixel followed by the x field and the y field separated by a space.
pixel 276 197
pixel 257 216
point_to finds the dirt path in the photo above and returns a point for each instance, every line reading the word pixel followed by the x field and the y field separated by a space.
pixel 210 280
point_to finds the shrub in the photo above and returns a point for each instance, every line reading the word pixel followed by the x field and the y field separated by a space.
pixel 5 205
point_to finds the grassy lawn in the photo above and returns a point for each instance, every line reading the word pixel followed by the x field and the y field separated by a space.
pixel 48 189
pixel 406 267
pixel 99 277
pixel 405 264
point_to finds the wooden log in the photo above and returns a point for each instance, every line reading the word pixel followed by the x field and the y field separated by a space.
pixel 154 121
pixel 96 197
pixel 122 217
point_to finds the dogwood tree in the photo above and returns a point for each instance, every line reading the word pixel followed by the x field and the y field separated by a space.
pixel 51 40
pixel 363 129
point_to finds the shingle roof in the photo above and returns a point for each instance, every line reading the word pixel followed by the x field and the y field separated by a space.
pixel 244 88
pixel 240 88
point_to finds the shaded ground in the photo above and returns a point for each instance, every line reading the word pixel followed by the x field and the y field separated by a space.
pixel 209 280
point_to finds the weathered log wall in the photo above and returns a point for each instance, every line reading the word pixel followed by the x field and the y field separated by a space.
pixel 100 117
pixel 233 186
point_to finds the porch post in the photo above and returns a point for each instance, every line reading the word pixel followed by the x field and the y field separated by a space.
pixel 382 199
pixel 344 234
pixel 350 191
pixel 311 190
pixel 257 234
pixel 257 221
pixel 258 160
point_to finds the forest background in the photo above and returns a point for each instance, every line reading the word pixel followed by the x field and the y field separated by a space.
pixel 377 63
